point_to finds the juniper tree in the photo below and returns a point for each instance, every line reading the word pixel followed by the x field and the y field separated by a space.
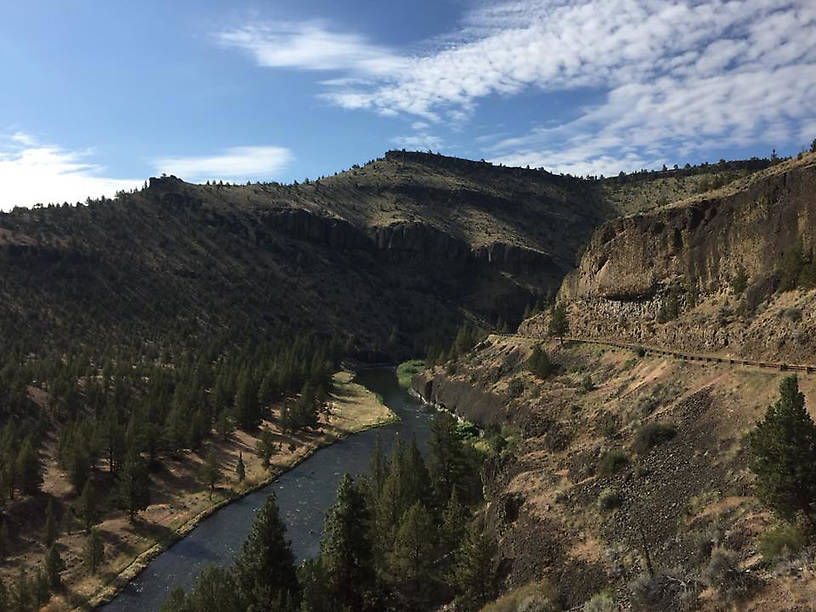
pixel 559 325
pixel 783 449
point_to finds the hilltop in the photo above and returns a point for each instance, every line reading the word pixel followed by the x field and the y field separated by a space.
pixel 388 255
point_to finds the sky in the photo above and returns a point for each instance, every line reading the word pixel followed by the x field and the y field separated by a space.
pixel 96 96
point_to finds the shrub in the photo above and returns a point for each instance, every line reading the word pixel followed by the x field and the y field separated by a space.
pixel 653 434
pixel 722 574
pixel 609 499
pixel 612 462
pixel 586 384
pixel 640 352
pixel 740 280
pixel 539 363
pixel 515 388
pixel 669 309
pixel 538 596
pixel 781 542
pixel 666 590
pixel 600 602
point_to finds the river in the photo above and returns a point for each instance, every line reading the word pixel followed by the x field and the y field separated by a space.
pixel 304 495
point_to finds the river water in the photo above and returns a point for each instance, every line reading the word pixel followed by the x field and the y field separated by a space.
pixel 304 495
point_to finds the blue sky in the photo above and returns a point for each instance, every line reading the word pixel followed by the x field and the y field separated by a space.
pixel 98 96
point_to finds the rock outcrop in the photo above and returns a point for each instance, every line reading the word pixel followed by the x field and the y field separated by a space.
pixel 667 277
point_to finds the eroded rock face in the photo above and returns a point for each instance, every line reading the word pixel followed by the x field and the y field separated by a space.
pixel 699 245
pixel 664 278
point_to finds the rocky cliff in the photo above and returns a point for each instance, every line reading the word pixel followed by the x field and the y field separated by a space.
pixel 669 276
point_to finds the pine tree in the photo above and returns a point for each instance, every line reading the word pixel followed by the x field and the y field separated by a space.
pixel 454 521
pixel 213 591
pixel 133 487
pixel 266 447
pixel 410 563
pixel 446 458
pixel 53 566
pixel 346 550
pixel 473 570
pixel 5 543
pixel 93 551
pixel 87 505
pixel 247 408
pixel 240 470
pixel 783 449
pixel 225 424
pixel 265 570
pixel 29 468
pixel 210 471
pixel 51 527
pixel 559 325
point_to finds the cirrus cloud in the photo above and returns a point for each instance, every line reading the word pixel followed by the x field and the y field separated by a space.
pixel 672 77
pixel 234 163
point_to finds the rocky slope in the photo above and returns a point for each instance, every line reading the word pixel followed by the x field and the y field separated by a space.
pixel 564 517
pixel 667 277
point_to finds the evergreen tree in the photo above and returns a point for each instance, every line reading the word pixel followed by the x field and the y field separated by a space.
pixel 539 363
pixel 410 563
pixel 454 522
pixel 346 551
pixel 448 461
pixel 133 486
pixel 93 551
pixel 225 424
pixel 240 470
pixel 559 325
pixel 53 566
pixel 213 591
pixel 51 526
pixel 87 505
pixel 473 570
pixel 377 469
pixel 29 468
pixel 5 543
pixel 265 570
pixel 266 447
pixel 247 408
pixel 210 471
pixel 783 449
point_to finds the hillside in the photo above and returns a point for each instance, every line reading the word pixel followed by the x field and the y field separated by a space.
pixel 730 271
pixel 388 255
pixel 568 501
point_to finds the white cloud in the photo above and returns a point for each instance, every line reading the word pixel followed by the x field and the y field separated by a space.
pixel 672 77
pixel 419 141
pixel 233 163
pixel 32 173
pixel 310 46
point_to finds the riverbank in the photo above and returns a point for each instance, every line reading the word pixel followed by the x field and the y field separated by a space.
pixel 180 500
